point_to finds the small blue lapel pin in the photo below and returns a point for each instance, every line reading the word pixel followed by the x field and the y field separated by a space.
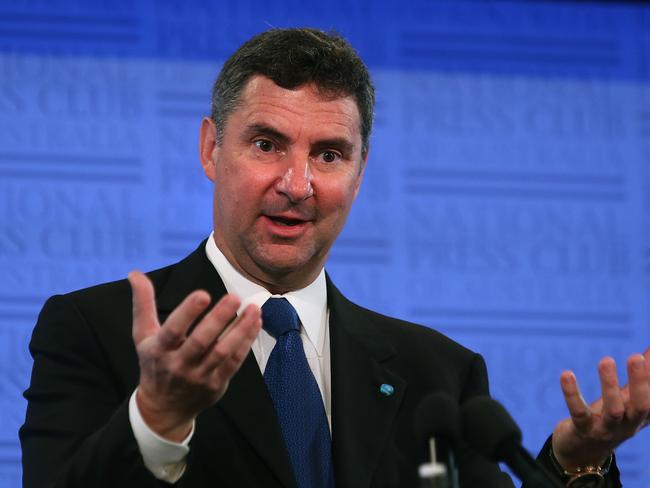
pixel 386 389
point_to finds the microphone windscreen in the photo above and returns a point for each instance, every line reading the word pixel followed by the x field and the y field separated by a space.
pixel 489 427
pixel 437 416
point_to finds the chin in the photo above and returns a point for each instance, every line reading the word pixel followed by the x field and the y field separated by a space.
pixel 282 266
pixel 282 262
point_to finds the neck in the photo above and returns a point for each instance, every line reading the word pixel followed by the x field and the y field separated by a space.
pixel 277 282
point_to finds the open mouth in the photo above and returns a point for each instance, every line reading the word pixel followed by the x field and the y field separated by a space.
pixel 286 222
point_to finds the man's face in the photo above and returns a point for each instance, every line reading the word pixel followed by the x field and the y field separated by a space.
pixel 286 174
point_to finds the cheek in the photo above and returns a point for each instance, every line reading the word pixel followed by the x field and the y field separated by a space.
pixel 229 182
pixel 337 199
pixel 242 191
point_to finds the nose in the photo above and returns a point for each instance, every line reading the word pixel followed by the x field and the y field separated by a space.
pixel 296 182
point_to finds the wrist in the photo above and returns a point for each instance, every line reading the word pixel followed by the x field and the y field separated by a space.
pixel 577 475
pixel 169 425
pixel 572 451
pixel 576 462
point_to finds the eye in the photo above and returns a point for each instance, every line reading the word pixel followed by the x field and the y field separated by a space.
pixel 264 145
pixel 330 156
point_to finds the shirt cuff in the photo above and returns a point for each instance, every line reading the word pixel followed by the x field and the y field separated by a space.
pixel 165 459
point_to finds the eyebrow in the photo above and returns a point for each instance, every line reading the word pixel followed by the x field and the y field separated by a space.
pixel 341 143
pixel 266 130
pixel 344 145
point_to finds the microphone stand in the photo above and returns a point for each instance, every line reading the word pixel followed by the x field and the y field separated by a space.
pixel 437 475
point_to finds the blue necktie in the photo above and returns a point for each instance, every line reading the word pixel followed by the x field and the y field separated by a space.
pixel 297 399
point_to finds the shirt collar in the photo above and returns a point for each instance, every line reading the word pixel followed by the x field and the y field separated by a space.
pixel 310 302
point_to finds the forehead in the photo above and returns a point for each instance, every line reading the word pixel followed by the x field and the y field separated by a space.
pixel 302 108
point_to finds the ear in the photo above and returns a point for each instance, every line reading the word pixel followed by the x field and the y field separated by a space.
pixel 208 147
pixel 357 184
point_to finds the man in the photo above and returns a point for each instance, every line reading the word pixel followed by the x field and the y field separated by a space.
pixel 195 401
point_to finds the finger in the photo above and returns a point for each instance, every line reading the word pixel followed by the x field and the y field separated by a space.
pixel 238 344
pixel 244 330
pixel 205 334
pixel 578 409
pixel 228 368
pixel 145 320
pixel 229 346
pixel 174 330
pixel 639 388
pixel 613 404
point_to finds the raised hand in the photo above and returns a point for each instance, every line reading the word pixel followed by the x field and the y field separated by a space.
pixel 593 431
pixel 181 372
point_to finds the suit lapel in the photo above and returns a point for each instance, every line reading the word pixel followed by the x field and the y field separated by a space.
pixel 249 406
pixel 362 416
pixel 246 401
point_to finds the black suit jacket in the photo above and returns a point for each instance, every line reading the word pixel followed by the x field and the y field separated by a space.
pixel 77 432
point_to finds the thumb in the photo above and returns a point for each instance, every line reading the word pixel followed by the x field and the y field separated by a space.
pixel 145 319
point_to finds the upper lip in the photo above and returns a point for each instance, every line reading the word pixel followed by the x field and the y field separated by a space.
pixel 288 216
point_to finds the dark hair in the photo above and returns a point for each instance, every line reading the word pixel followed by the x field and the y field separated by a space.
pixel 292 58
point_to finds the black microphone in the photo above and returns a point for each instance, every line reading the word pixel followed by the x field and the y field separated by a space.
pixel 491 430
pixel 437 423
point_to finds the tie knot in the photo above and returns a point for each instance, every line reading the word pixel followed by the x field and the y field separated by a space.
pixel 279 317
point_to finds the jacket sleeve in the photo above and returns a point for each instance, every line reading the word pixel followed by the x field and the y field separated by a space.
pixel 479 471
pixel 77 431
pixel 612 479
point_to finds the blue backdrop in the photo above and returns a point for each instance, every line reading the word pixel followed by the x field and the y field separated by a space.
pixel 506 200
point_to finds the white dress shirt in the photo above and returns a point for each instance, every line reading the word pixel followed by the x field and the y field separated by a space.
pixel 166 459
